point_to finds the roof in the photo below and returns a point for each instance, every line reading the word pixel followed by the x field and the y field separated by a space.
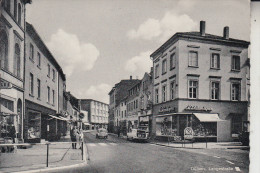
pixel 198 36
pixel 41 45
pixel 93 100
pixel 124 81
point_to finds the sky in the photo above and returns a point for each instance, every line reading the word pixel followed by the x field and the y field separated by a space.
pixel 100 42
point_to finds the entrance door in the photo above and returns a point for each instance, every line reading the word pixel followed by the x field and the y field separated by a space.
pixel 182 123
pixel 44 126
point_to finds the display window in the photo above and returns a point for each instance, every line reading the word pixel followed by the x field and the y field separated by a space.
pixel 34 125
pixel 6 123
pixel 163 126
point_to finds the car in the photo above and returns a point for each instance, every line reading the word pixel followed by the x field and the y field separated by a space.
pixel 102 133
pixel 137 134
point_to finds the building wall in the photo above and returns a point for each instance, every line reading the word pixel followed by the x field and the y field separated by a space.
pixel 41 73
pixel 15 35
pixel 61 90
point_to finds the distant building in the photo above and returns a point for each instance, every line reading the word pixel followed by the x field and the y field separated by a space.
pixel 97 112
pixel 200 82
pixel 12 27
pixel 117 93
pixel 44 86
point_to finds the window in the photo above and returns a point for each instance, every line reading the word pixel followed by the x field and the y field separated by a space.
pixel 31 84
pixel 136 104
pixel 236 124
pixel 215 92
pixel 164 66
pixel 172 90
pixel 156 95
pixel 31 52
pixel 19 14
pixel 49 70
pixel 48 94
pixel 157 71
pixel 215 61
pixel 193 59
pixel 164 93
pixel 3 50
pixel 15 9
pixel 38 88
pixel 235 91
pixel 8 5
pixel 193 89
pixel 17 61
pixel 7 103
pixel 53 73
pixel 39 59
pixel 235 63
pixel 53 97
pixel 172 61
pixel 142 102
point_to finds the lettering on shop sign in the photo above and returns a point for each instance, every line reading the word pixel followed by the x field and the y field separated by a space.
pixel 197 108
pixel 165 109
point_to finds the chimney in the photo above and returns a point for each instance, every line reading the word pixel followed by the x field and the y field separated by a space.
pixel 131 77
pixel 202 28
pixel 226 32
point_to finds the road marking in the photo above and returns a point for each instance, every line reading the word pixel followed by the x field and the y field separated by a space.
pixel 216 157
pixel 230 162
pixel 91 144
pixel 237 169
pixel 102 144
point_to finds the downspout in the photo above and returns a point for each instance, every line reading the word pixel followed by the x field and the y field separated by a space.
pixel 24 63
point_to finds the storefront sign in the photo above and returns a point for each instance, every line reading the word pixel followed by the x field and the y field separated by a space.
pixel 197 108
pixel 165 109
pixel 188 133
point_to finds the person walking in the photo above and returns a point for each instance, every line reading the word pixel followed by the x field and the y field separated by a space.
pixel 118 131
pixel 73 136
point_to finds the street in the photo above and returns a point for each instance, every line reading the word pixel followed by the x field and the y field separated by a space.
pixel 118 155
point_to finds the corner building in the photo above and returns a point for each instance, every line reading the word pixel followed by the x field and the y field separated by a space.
pixel 200 82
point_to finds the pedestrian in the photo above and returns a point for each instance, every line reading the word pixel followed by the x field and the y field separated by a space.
pixel 73 136
pixel 118 132
pixel 81 138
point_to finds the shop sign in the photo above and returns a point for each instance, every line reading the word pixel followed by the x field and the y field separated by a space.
pixel 188 133
pixel 165 109
pixel 197 108
pixel 5 85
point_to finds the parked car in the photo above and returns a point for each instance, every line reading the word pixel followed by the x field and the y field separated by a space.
pixel 137 134
pixel 102 133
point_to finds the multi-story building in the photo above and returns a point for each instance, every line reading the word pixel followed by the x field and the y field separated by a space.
pixel 133 105
pixel 12 27
pixel 146 101
pixel 43 98
pixel 97 112
pixel 117 93
pixel 200 82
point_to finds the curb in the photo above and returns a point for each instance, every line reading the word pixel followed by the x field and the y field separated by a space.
pixel 243 147
pixel 85 155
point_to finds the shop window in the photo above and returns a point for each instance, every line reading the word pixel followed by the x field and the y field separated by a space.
pixel 172 61
pixel 235 64
pixel 34 125
pixel 17 61
pixel 235 91
pixel 215 61
pixel 215 90
pixel 157 95
pixel 172 90
pixel 236 124
pixel 193 59
pixel 164 66
pixel 31 84
pixel 4 49
pixel 163 126
pixel 193 89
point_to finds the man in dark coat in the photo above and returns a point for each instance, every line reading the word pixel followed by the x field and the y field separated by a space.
pixel 73 136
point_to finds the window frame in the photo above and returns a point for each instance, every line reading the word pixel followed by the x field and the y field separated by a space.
pixel 212 61
pixel 172 89
pixel 53 75
pixel 38 89
pixel 164 93
pixel 211 89
pixel 172 61
pixel 164 66
pixel 31 57
pixel 239 90
pixel 4 42
pixel 38 59
pixel 31 87
pixel 234 63
pixel 53 97
pixel 156 94
pixel 48 94
pixel 197 89
pixel 157 67
pixel 191 65
pixel 49 70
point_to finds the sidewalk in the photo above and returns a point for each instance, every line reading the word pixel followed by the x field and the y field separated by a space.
pixel 203 145
pixel 60 154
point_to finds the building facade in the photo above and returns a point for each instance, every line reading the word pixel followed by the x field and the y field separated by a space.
pixel 12 28
pixel 200 82
pixel 97 113
pixel 44 83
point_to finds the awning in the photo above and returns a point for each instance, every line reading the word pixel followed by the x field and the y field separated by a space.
pixel 203 117
pixel 6 112
pixel 58 118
